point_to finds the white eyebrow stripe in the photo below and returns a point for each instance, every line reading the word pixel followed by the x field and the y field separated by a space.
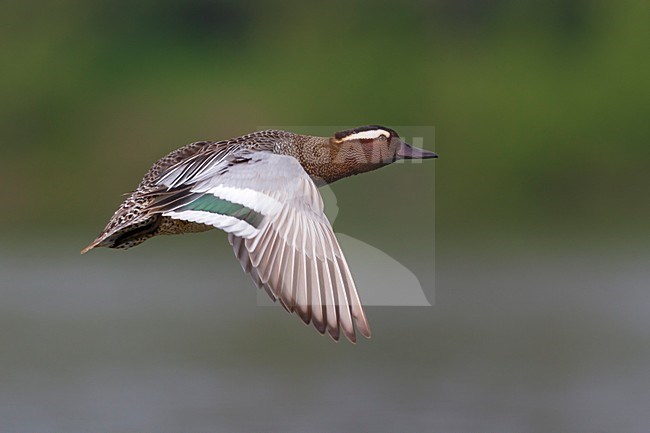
pixel 370 134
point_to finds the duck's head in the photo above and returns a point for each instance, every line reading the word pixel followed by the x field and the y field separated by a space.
pixel 376 146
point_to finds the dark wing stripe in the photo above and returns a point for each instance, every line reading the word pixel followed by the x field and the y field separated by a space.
pixel 213 204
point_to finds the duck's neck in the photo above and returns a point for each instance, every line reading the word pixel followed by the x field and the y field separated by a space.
pixel 326 161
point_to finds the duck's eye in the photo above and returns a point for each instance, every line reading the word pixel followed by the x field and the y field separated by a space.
pixel 382 138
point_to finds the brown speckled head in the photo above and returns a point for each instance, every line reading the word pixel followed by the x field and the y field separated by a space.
pixel 355 151
pixel 369 145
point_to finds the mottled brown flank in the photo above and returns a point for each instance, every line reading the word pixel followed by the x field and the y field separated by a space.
pixel 170 226
pixel 324 159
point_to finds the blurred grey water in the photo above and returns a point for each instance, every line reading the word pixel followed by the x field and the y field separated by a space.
pixel 168 337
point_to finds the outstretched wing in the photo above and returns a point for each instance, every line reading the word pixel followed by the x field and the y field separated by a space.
pixel 274 216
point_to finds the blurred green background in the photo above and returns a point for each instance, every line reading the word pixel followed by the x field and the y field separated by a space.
pixel 541 206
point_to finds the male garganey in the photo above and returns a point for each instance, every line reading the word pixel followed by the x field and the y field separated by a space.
pixel 261 189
